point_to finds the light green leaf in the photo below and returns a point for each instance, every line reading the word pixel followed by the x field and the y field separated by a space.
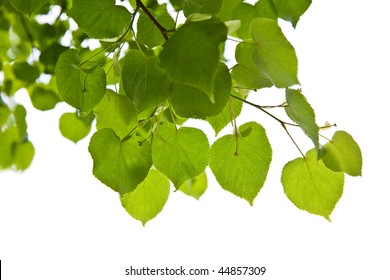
pixel 121 165
pixel 24 154
pixel 116 112
pixel 144 81
pixel 266 9
pixel 28 7
pixel 180 154
pixel 148 199
pixel 73 127
pixel 246 73
pixel 228 6
pixel 195 187
pixel 274 55
pixel 43 99
pixel 191 102
pixel 8 138
pixel 148 33
pixel 291 10
pixel 300 111
pixel 311 186
pixel 343 154
pixel 202 7
pixel 191 56
pixel 101 19
pixel 81 86
pixel 240 162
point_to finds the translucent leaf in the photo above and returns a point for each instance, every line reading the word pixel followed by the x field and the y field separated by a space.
pixel 43 99
pixel 291 10
pixel 343 154
pixel 202 7
pixel 274 55
pixel 116 112
pixel 300 111
pixel 266 9
pixel 28 7
pixel 144 81
pixel 148 33
pixel 24 154
pixel 121 165
pixel 180 154
pixel 195 187
pixel 100 19
pixel 246 73
pixel 191 55
pixel 191 102
pixel 240 162
pixel 148 199
pixel 81 86
pixel 228 6
pixel 73 127
pixel 8 138
pixel 311 186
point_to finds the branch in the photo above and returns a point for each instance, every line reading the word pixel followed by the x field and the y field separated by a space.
pixel 153 19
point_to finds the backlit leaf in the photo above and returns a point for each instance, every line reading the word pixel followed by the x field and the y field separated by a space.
pixel 73 127
pixel 240 162
pixel 202 7
pixel 195 187
pixel 147 31
pixel 274 55
pixel 180 154
pixel 311 186
pixel 291 10
pixel 28 7
pixel 121 165
pixel 148 199
pixel 24 154
pixel 43 99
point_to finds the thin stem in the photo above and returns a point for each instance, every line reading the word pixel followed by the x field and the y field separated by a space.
pixel 292 139
pixel 153 19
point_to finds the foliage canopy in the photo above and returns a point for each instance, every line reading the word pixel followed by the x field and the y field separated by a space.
pixel 152 67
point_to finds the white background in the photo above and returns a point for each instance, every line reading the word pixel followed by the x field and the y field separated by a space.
pixel 58 222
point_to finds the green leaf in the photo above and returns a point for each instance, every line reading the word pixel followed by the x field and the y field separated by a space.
pixel 24 154
pixel 101 19
pixel 49 56
pixel 8 138
pixel 116 112
pixel 202 7
pixel 291 10
pixel 191 102
pixel 148 33
pixel 28 7
pixel 245 13
pixel 26 72
pixel 231 111
pixel 246 73
pixel 148 199
pixel 73 127
pixel 228 6
pixel 240 162
pixel 274 55
pixel 311 186
pixel 121 165
pixel 80 85
pixel 300 111
pixel 343 154
pixel 191 55
pixel 180 154
pixel 195 187
pixel 144 81
pixel 43 99
pixel 266 9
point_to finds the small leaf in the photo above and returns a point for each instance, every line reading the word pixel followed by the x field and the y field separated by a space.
pixel 291 10
pixel 8 138
pixel 81 86
pixel 343 154
pixel 100 19
pixel 28 7
pixel 148 199
pixel 311 186
pixel 300 111
pixel 121 165
pixel 274 55
pixel 240 162
pixel 144 81
pixel 24 154
pixel 191 55
pixel 202 7
pixel 43 99
pixel 195 187
pixel 180 154
pixel 26 72
pixel 73 127
pixel 116 112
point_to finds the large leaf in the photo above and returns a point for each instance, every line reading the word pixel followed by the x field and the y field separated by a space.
pixel 101 19
pixel 116 112
pixel 343 154
pixel 180 154
pixel 291 10
pixel 311 186
pixel 300 111
pixel 274 55
pixel 191 56
pixel 74 127
pixel 202 7
pixel 28 7
pixel 144 81
pixel 81 86
pixel 240 162
pixel 121 165
pixel 148 199
pixel 191 102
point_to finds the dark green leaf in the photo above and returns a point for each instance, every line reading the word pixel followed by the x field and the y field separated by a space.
pixel 25 72
pixel 202 7
pixel 73 127
pixel 28 7
pixel 195 187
